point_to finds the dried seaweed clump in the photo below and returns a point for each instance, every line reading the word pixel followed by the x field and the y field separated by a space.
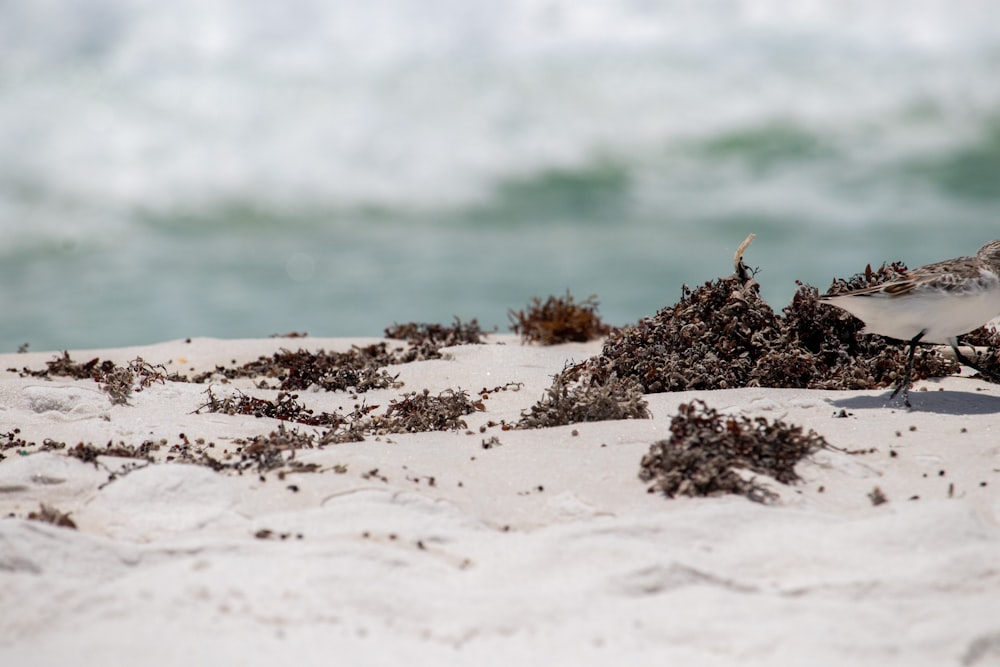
pixel 559 320
pixel 830 344
pixel 423 411
pixel 285 407
pixel 705 450
pixel 49 514
pixel 119 382
pixel 88 452
pixel 426 340
pixel 715 338
pixel 360 369
pixel 268 452
pixel 578 395
pixel 413 412
pixel 64 366
pixel 869 278
pixel 723 335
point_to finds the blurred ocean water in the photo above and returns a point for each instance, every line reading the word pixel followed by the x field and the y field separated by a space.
pixel 238 168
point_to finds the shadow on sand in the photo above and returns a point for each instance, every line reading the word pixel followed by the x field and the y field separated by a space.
pixel 938 402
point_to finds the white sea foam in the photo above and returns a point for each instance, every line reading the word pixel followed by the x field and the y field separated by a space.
pixel 389 103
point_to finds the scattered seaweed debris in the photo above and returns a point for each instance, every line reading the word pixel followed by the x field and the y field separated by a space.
pixel 412 412
pixel 559 320
pixel 117 381
pixel 284 407
pixel 268 452
pixel 88 452
pixel 578 395
pixel 261 454
pixel 360 369
pixel 268 534
pixel 705 449
pixel 49 514
pixel 13 440
pixel 426 340
pixel 423 411
pixel 64 366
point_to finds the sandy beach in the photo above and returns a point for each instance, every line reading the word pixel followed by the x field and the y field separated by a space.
pixel 486 544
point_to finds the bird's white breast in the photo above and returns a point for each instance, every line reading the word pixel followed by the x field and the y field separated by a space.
pixel 941 314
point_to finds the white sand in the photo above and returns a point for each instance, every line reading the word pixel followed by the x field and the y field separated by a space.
pixel 546 549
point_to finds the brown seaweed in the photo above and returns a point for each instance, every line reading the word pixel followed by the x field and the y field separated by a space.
pixel 706 449
pixel 559 320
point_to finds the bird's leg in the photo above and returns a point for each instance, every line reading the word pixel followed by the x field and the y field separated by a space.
pixel 965 361
pixel 904 384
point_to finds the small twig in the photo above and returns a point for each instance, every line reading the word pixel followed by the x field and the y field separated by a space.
pixel 743 271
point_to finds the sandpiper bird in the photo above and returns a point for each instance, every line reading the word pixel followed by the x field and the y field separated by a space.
pixel 936 303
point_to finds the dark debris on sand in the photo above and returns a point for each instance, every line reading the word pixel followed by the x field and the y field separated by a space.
pixel 705 450
pixel 51 515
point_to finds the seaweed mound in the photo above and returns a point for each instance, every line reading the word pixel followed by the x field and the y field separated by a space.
pixel 723 335
pixel 705 450
pixel 716 337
